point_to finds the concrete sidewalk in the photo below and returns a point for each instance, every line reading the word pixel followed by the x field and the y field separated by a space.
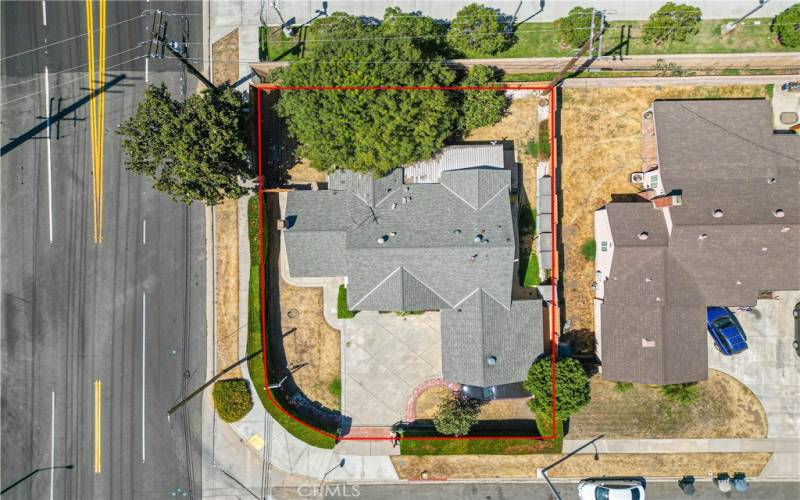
pixel 784 463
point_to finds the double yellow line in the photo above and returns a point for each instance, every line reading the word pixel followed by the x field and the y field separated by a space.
pixel 98 419
pixel 97 110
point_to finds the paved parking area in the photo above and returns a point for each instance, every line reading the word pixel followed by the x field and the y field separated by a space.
pixel 770 367
pixel 384 357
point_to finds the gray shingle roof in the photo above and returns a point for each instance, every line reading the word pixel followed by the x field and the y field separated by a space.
pixel 720 155
pixel 455 158
pixel 481 328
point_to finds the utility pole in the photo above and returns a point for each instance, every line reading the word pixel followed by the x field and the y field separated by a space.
pixel 543 472
pixel 158 42
pixel 731 25
pixel 603 14
pixel 567 67
pixel 591 36
pixel 211 381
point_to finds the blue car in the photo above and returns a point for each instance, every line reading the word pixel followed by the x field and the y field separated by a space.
pixel 729 338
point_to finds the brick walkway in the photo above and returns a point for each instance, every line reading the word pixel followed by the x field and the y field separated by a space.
pixel 411 406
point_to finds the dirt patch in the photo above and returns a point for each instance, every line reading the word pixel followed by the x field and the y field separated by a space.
pixel 226 292
pixel 311 345
pixel 429 401
pixel 726 408
pixel 601 144
pixel 506 409
pixel 579 466
pixel 302 172
pixel 226 58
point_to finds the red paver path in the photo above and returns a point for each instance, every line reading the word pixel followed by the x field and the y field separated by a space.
pixel 369 432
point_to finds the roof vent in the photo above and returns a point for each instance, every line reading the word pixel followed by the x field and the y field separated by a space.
pixel 394 205
pixel 643 235
pixel 738 282
pixel 456 231
pixel 491 360
pixel 763 249
pixel 393 233
pixel 779 213
pixel 786 229
pixel 772 180
pixel 382 239
pixel 717 213
pixel 478 238
pixel 702 236
pixel 648 343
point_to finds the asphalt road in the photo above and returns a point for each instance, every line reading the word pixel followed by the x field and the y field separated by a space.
pixel 74 312
pixel 522 491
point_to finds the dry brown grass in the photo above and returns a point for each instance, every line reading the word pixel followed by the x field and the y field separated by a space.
pixel 725 408
pixel 579 466
pixel 226 293
pixel 429 401
pixel 226 58
pixel 311 341
pixel 302 172
pixel 507 409
pixel 601 144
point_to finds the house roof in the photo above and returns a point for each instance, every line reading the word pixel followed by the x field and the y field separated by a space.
pixel 407 246
pixel 719 155
pixel 487 344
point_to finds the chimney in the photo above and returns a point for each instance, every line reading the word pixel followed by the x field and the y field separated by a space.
pixel 670 200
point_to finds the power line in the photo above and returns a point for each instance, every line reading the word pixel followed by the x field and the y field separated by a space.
pixel 68 39
pixel 66 82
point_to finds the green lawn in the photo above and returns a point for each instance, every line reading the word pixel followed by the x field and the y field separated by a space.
pixel 342 312
pixel 529 269
pixel 256 365
pixel 541 40
pixel 488 446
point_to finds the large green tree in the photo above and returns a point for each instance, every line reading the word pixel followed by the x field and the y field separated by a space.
pixel 575 28
pixel 477 30
pixel 193 150
pixel 373 130
pixel 481 108
pixel 787 26
pixel 572 387
pixel 671 22
pixel 456 415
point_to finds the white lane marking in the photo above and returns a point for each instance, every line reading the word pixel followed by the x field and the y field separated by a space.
pixel 144 323
pixel 52 436
pixel 146 69
pixel 49 163
pixel 44 21
pixel 144 231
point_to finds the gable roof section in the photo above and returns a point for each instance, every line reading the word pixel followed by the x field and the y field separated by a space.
pixel 400 291
pixel 476 186
pixel 480 328
pixel 629 220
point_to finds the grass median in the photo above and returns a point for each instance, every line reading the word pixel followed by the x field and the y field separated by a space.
pixel 255 366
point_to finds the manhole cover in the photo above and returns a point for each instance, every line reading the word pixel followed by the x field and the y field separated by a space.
pixel 788 117
pixel 293 313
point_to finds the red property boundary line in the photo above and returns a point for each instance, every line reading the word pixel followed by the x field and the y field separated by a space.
pixel 554 279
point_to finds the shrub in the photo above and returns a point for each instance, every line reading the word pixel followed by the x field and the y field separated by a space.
pixel 671 22
pixel 335 388
pixel 787 26
pixel 544 140
pixel 232 399
pixel 533 148
pixel 623 387
pixel 482 108
pixel 572 387
pixel 476 29
pixel 574 29
pixel 456 415
pixel 342 312
pixel 684 394
pixel 589 250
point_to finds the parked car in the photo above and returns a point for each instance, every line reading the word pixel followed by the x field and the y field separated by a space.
pixel 724 328
pixel 602 488
pixel 796 314
pixel 791 87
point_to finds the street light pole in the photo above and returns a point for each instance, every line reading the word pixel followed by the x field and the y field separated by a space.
pixel 731 25
pixel 340 464
pixel 34 472
pixel 565 457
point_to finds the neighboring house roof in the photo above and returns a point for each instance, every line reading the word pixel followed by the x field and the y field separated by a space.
pixel 719 155
pixel 485 344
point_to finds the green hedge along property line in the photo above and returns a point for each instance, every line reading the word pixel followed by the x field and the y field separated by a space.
pixel 255 366
pixel 342 312
pixel 232 399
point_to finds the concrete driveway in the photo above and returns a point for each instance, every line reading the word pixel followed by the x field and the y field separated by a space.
pixel 770 367
pixel 384 356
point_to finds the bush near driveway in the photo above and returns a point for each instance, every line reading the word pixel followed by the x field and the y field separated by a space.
pixel 572 388
pixel 684 394
pixel 456 415
pixel 232 399
pixel 672 22
pixel 787 26
pixel 476 29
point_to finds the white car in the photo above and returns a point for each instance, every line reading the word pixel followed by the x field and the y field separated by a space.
pixel 611 489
